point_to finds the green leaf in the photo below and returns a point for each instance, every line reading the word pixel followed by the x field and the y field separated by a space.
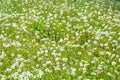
pixel 38 26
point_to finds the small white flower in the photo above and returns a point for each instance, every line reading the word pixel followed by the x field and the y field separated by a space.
pixel 89 53
pixel 1 63
pixel 80 78
pixel 8 70
pixel 93 73
pixel 61 40
pixel 113 55
pixel 79 53
pixel 101 52
pixel 87 79
pixel 12 54
pixel 64 68
pixel 46 51
pixel 113 63
pixel 57 67
pixel 108 53
pixel 95 42
pixel 109 74
pixel 40 73
pixel 84 70
pixel 48 62
pixel 38 52
pixel 73 70
pixel 64 59
pixel 92 62
pixel 17 37
pixel 48 70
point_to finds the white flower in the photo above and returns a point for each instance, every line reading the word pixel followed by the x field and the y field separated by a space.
pixel 109 74
pixel 84 70
pixel 14 25
pixel 119 59
pixel 108 53
pixel 19 55
pixel 113 63
pixel 46 54
pixel 1 63
pixel 89 53
pixel 93 73
pixel 73 70
pixel 57 67
pixel 79 53
pixel 38 53
pixel 80 78
pixel 64 59
pixel 61 40
pixel 16 43
pixel 92 62
pixel 44 65
pixel 87 79
pixel 40 73
pixel 48 70
pixel 81 64
pixel 8 70
pixel 19 70
pixel 61 49
pixel 101 52
pixel 12 54
pixel 113 55
pixel 46 51
pixel 48 62
pixel 94 42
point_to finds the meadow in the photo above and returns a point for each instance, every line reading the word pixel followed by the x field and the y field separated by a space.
pixel 59 40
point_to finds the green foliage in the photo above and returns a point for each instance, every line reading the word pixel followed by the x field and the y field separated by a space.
pixel 38 26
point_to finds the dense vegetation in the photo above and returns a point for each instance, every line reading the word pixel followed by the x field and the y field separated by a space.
pixel 59 40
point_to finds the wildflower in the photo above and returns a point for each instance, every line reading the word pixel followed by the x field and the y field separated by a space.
pixel 93 73
pixel 108 53
pixel 40 73
pixel 64 59
pixel 109 74
pixel 79 53
pixel 95 42
pixel 113 63
pixel 48 70
pixel 73 70
pixel 89 53
pixel 80 78
pixel 61 40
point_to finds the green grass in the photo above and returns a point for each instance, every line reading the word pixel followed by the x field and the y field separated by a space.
pixel 60 40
